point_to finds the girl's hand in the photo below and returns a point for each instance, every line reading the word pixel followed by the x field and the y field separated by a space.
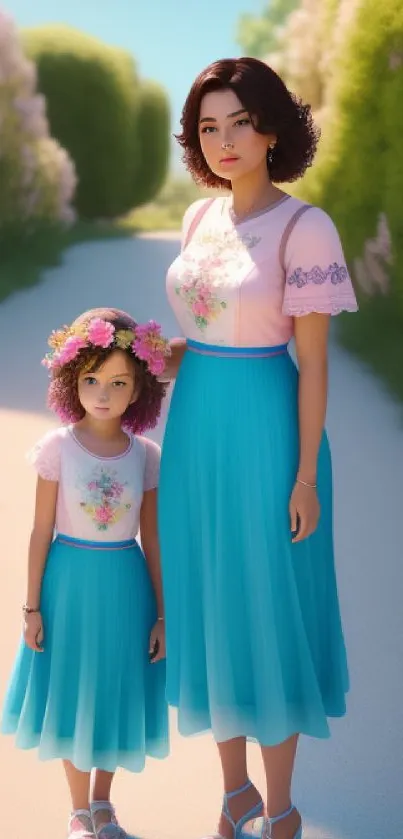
pixel 33 631
pixel 157 642
pixel 304 511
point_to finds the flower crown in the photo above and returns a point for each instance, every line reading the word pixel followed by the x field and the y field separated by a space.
pixel 144 341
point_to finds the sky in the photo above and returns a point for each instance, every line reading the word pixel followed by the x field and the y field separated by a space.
pixel 171 40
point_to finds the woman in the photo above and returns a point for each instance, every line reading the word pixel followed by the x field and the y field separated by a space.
pixel 254 640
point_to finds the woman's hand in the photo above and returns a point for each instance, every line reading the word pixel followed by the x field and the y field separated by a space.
pixel 33 631
pixel 157 642
pixel 304 511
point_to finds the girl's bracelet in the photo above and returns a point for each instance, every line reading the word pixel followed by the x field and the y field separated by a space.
pixel 161 619
pixel 28 610
pixel 305 484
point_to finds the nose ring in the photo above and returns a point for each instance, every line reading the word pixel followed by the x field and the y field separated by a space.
pixel 227 146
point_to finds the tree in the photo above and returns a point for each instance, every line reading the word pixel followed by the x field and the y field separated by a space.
pixel 258 36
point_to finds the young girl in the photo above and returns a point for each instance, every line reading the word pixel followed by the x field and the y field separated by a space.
pixel 89 681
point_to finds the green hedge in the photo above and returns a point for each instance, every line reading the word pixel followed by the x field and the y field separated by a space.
pixel 359 173
pixel 152 137
pixel 94 97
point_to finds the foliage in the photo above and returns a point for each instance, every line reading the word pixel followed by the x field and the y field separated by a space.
pixel 99 111
pixel 36 174
pixel 258 35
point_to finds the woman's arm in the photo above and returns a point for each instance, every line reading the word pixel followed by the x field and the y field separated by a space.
pixel 41 538
pixel 151 549
pixel 311 337
pixel 178 349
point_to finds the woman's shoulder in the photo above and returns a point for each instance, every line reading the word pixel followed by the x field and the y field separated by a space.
pixel 308 216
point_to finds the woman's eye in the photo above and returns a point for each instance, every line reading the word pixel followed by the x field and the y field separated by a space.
pixel 119 384
pixel 243 121
pixel 207 129
pixel 90 380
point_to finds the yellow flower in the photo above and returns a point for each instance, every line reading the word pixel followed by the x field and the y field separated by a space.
pixel 57 338
pixel 124 338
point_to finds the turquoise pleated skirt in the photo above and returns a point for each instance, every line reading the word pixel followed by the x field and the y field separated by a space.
pixel 91 697
pixel 254 638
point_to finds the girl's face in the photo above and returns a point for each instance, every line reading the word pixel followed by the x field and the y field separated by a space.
pixel 224 121
pixel 107 392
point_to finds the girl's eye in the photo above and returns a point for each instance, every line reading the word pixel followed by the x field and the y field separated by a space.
pixel 90 380
pixel 207 129
pixel 119 384
pixel 243 121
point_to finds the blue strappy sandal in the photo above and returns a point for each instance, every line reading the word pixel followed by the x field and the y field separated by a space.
pixel 266 824
pixel 254 812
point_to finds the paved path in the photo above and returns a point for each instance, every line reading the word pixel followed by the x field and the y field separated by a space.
pixel 348 787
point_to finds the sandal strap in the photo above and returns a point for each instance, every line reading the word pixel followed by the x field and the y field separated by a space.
pixel 102 805
pixel 254 811
pixel 275 819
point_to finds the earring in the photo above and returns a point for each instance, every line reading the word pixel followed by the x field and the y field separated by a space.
pixel 272 146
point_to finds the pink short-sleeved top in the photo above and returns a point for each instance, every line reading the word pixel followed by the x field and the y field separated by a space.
pixel 99 498
pixel 229 286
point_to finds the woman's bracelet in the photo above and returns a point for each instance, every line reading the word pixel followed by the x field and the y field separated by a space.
pixel 28 610
pixel 305 484
pixel 161 618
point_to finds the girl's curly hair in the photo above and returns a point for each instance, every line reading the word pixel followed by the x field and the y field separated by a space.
pixel 63 389
pixel 273 108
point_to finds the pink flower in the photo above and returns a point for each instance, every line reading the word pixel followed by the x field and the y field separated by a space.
pixel 103 515
pixel 157 366
pixel 200 309
pixel 100 333
pixel 69 351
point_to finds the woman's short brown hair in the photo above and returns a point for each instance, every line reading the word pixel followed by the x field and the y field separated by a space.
pixel 274 109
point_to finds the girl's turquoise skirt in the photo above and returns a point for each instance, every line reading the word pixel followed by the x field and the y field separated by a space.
pixel 91 697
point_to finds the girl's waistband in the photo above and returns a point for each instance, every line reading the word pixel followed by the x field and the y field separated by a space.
pixel 100 546
pixel 235 352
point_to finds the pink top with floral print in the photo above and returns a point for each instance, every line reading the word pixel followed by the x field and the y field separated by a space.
pixel 229 288
pixel 99 498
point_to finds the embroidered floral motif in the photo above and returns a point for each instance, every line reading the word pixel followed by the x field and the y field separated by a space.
pixel 103 498
pixel 201 300
pixel 207 266
pixel 335 273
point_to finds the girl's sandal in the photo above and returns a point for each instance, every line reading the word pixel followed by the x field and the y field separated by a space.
pixel 80 825
pixel 105 823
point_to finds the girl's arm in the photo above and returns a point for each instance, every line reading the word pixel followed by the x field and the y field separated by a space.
pixel 150 544
pixel 311 337
pixel 41 537
pixel 151 549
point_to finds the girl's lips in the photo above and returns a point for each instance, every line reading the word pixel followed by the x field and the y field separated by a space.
pixel 229 159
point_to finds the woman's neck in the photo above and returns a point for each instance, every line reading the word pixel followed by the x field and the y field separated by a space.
pixel 253 193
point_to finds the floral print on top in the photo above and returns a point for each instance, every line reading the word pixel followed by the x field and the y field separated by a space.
pixel 99 498
pixel 206 269
pixel 229 286
pixel 104 497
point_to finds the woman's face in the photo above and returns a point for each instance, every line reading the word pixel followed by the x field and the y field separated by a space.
pixel 231 146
